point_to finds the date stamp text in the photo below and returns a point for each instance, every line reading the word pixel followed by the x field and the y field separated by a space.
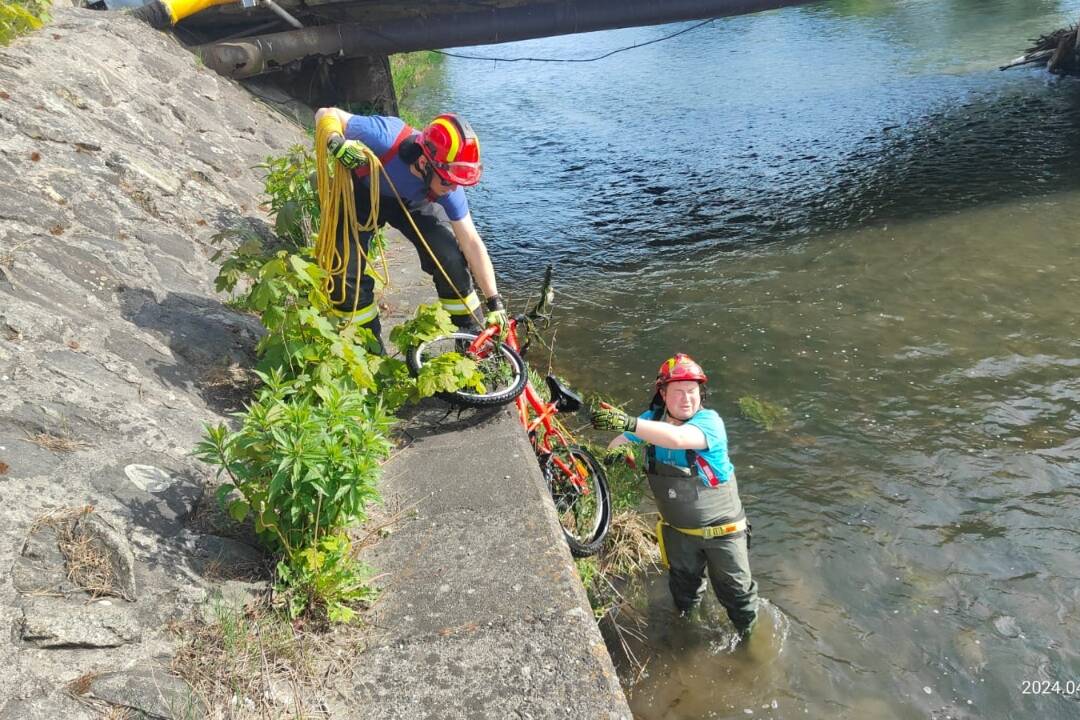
pixel 1050 687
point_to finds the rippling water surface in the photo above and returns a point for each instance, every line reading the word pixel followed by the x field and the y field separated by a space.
pixel 847 210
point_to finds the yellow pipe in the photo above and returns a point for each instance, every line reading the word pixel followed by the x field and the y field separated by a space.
pixel 180 9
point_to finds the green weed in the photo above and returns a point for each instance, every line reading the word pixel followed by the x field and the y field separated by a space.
pixel 765 414
pixel 306 458
pixel 411 71
pixel 329 576
pixel 21 16
pixel 293 197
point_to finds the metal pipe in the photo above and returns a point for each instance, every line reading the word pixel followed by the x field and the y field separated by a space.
pixel 249 31
pixel 458 29
pixel 281 13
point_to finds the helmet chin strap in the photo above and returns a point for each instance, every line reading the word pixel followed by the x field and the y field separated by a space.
pixel 428 174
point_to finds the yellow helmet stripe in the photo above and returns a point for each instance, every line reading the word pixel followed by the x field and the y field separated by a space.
pixel 455 137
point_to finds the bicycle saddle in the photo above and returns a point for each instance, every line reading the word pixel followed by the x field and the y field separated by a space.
pixel 565 399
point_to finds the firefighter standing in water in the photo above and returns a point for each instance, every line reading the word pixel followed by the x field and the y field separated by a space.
pixel 429 168
pixel 702 524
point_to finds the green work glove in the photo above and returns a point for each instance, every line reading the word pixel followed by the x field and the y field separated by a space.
pixel 349 153
pixel 496 315
pixel 610 418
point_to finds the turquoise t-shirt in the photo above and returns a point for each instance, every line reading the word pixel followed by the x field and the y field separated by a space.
pixel 710 424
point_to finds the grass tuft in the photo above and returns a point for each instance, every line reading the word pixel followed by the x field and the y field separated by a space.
pixel 254 663
pixel 81 685
pixel 57 443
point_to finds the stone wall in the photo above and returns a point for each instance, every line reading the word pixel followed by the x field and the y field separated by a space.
pixel 120 158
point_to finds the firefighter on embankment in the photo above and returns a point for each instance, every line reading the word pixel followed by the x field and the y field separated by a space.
pixel 429 169
pixel 702 525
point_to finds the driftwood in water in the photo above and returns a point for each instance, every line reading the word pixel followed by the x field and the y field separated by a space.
pixel 1059 50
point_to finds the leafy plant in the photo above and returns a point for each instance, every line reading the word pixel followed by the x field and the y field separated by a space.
pixel 306 458
pixel 326 574
pixel 303 463
pixel 292 195
pixel 21 16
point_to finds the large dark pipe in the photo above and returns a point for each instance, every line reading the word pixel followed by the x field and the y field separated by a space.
pixel 266 53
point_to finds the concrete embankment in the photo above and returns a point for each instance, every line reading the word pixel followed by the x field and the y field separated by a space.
pixel 120 158
pixel 483 614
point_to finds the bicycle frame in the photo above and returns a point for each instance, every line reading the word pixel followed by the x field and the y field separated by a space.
pixel 529 403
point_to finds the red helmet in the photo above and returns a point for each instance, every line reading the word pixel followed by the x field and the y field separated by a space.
pixel 677 368
pixel 453 150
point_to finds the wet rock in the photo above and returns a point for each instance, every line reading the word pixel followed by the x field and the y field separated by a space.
pixel 58 623
pixel 970 649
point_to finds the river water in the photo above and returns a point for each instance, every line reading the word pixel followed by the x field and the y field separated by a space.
pixel 844 209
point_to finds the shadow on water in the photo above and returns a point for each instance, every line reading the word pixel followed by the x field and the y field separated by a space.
pixel 941 163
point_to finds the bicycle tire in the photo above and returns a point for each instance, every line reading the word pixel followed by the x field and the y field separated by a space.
pixel 508 360
pixel 570 502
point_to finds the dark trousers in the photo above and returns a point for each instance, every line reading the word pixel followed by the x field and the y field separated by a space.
pixel 727 561
pixel 433 223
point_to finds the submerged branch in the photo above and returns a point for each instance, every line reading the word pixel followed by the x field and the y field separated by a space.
pixel 1059 50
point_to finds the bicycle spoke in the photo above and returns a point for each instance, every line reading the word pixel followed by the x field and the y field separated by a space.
pixel 502 371
pixel 579 494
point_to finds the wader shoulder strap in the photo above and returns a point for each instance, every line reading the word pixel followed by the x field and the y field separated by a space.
pixel 406 132
pixel 692 458
pixel 650 449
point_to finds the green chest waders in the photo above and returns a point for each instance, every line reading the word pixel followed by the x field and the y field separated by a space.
pixel 706 528
pixel 687 504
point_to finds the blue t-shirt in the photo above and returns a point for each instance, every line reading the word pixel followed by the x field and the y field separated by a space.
pixel 379 133
pixel 710 424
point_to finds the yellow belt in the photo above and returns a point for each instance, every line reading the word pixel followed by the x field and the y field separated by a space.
pixel 713 531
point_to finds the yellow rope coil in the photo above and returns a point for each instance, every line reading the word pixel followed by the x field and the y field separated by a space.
pixel 336 198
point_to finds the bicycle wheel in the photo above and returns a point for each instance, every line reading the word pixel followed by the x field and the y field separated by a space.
pixel 579 490
pixel 503 369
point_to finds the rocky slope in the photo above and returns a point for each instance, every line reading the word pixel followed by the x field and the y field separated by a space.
pixel 120 158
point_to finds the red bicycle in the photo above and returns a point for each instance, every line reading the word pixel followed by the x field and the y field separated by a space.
pixel 575 478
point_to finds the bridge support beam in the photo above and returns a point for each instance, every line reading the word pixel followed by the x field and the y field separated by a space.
pixel 267 53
